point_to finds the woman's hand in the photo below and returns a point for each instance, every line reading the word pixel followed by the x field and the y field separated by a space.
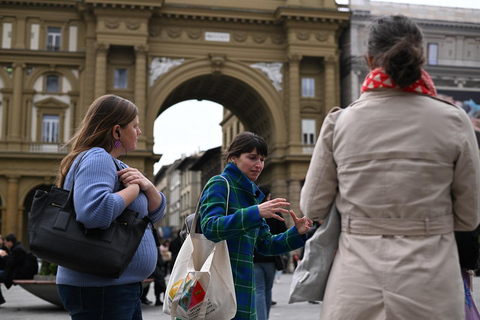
pixel 267 209
pixel 303 225
pixel 130 176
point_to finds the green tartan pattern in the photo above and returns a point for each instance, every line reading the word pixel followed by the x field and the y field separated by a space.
pixel 244 230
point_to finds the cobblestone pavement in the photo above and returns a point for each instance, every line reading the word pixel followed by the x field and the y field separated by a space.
pixel 22 305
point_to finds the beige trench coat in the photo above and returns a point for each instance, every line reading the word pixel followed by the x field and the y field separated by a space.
pixel 406 167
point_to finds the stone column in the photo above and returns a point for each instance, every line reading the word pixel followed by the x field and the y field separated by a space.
pixel 294 189
pixel 101 70
pixel 294 122
pixel 331 94
pixel 19 42
pixel 10 221
pixel 87 75
pixel 141 89
pixel 15 112
pixel 460 44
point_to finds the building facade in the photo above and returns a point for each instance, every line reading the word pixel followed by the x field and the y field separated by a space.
pixel 57 56
pixel 452 47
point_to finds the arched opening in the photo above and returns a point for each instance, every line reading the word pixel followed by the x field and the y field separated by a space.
pixel 238 97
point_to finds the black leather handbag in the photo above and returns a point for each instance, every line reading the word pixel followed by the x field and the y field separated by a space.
pixel 56 236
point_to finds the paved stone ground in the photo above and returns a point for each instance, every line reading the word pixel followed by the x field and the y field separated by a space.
pixel 22 305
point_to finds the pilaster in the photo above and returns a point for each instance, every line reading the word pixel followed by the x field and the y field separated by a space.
pixel 294 130
pixel 141 88
pixel 15 109
pixel 9 222
pixel 101 69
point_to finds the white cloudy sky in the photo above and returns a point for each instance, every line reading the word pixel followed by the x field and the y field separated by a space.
pixel 191 126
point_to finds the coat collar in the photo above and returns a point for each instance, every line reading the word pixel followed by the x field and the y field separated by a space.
pixel 241 179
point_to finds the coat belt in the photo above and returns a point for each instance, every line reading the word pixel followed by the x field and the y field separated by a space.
pixel 398 227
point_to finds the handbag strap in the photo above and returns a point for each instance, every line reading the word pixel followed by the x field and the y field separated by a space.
pixel 197 209
pixel 69 202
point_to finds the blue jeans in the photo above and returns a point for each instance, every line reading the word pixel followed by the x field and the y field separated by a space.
pixel 264 276
pixel 120 302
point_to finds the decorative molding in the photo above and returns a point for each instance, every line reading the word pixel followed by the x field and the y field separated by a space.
pixel 259 37
pixel 161 65
pixel 141 49
pixel 330 60
pixel 19 64
pixel 294 57
pixel 303 35
pixel 273 71
pixel 194 34
pixel 154 31
pixel 174 32
pixel 240 36
pixel 51 103
pixel 217 62
pixel 278 38
pixel 101 47
pixel 132 25
pixel 321 36
pixel 112 24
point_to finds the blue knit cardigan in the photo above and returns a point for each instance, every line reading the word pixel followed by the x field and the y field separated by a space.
pixel 97 205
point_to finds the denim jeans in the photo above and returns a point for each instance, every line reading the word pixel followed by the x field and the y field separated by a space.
pixel 264 276
pixel 120 302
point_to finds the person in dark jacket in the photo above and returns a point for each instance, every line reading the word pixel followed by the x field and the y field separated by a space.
pixel 265 266
pixel 19 263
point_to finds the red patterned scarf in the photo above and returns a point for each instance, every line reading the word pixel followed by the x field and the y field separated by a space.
pixel 378 78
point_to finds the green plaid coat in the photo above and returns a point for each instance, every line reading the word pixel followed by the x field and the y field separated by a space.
pixel 244 230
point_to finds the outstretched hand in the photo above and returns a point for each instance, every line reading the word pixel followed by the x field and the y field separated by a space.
pixel 303 224
pixel 267 209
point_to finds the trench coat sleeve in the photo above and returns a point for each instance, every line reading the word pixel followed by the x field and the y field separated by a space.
pixel 216 225
pixel 321 183
pixel 466 178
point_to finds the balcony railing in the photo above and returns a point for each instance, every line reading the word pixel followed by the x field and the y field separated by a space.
pixel 47 148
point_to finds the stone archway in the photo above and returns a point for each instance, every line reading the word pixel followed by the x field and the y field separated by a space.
pixel 249 94
pixel 245 91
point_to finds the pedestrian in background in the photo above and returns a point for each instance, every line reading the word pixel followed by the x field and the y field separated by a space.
pixel 244 226
pixel 403 169
pixel 109 130
pixel 265 266
pixel 18 263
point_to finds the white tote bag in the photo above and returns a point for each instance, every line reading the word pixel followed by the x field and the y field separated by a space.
pixel 311 275
pixel 201 283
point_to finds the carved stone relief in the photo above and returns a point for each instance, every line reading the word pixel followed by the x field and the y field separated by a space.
pixel 174 32
pixel 160 66
pixel 112 24
pixel 273 71
pixel 133 25
pixel 321 36
pixel 259 37
pixel 303 35
pixel 217 62
pixel 194 34
pixel 154 31
pixel 240 36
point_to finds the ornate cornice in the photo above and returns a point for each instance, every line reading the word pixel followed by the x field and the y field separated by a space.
pixel 41 3
pixel 125 4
